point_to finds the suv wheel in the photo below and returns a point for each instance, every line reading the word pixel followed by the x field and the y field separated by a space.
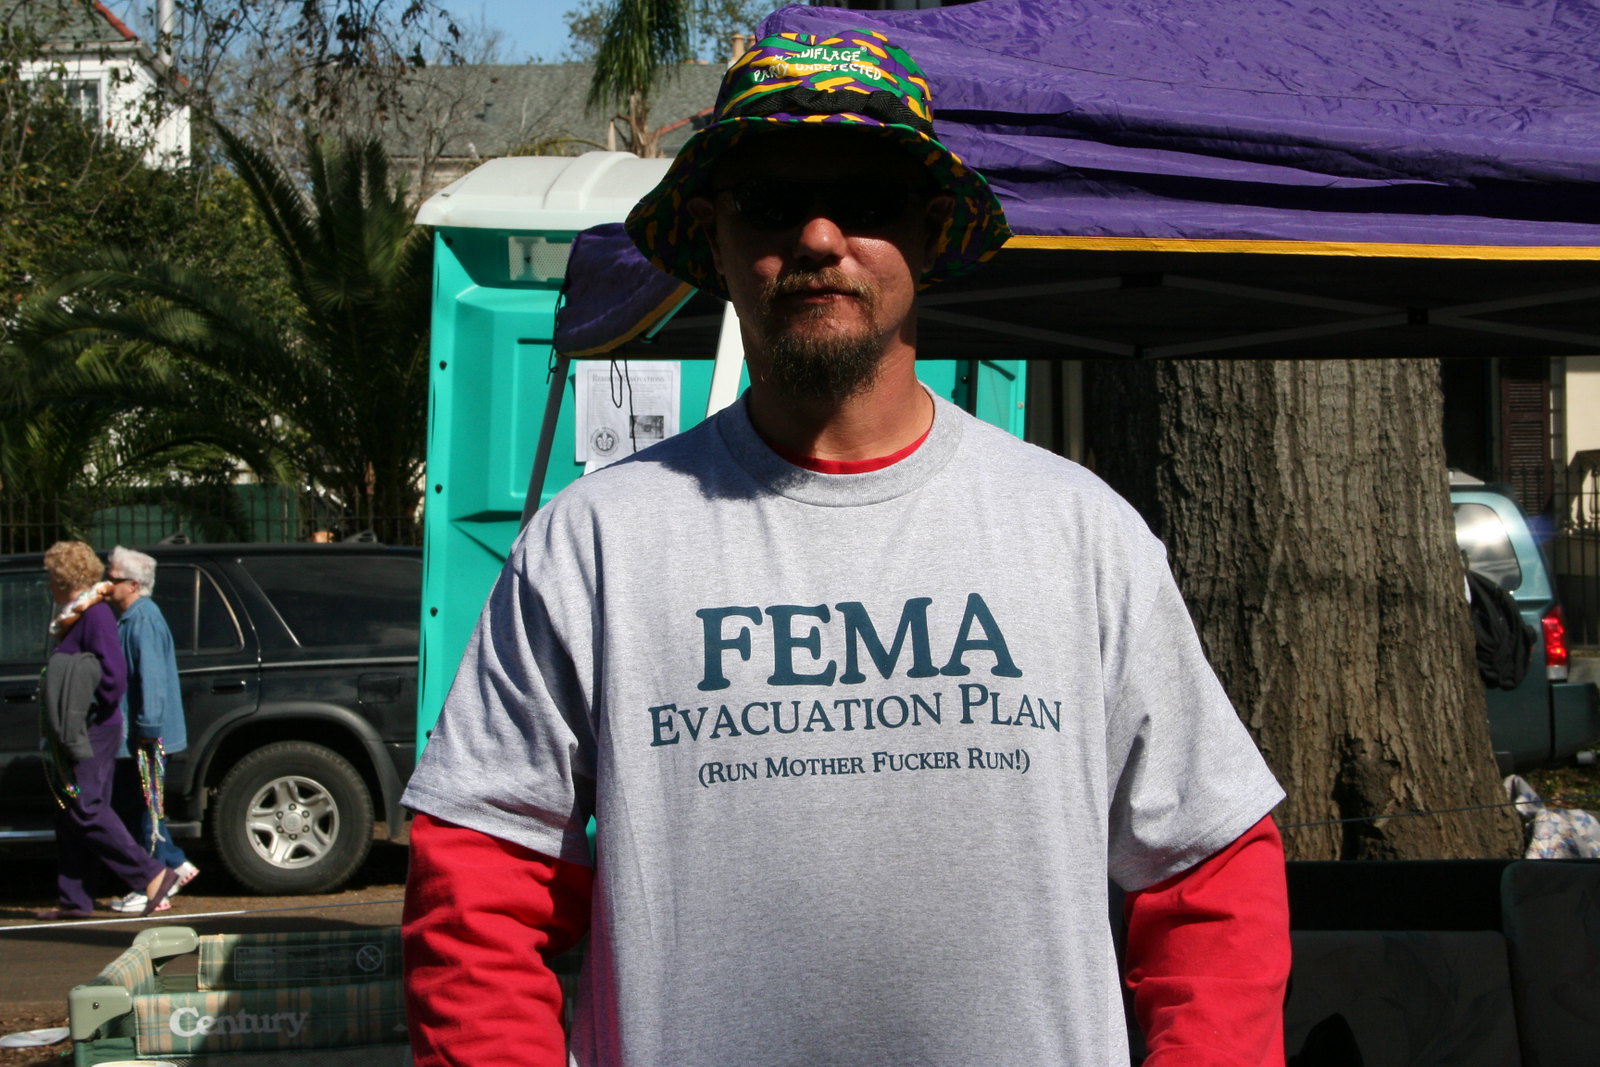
pixel 293 817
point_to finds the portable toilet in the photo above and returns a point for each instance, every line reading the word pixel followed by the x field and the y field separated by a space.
pixel 503 421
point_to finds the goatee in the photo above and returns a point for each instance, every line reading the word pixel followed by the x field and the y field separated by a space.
pixel 815 363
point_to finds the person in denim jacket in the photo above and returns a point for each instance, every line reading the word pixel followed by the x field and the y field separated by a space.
pixel 152 708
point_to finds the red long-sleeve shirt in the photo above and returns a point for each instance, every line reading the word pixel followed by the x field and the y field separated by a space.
pixel 1207 952
pixel 481 917
pixel 1207 958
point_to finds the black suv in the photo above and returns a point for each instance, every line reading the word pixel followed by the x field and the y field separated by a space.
pixel 299 673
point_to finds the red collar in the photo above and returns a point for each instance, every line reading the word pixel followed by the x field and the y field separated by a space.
pixel 848 466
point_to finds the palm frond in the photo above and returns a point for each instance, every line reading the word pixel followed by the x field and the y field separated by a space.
pixel 641 39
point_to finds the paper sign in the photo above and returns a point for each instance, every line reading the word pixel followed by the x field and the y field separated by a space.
pixel 624 406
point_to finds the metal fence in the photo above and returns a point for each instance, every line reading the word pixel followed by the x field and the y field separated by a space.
pixel 217 514
pixel 1575 549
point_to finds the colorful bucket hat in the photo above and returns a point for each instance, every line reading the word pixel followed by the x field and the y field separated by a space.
pixel 855 77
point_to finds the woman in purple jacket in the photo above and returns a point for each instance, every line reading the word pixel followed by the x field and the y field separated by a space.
pixel 88 833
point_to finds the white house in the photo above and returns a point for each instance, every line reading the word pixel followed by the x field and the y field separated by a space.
pixel 109 74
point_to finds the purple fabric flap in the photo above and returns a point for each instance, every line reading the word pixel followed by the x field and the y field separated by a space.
pixel 612 294
pixel 1459 122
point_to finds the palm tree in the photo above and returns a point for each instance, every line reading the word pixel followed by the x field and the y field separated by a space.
pixel 641 42
pixel 335 391
pixel 113 416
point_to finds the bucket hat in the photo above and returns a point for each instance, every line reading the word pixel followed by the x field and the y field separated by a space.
pixel 855 78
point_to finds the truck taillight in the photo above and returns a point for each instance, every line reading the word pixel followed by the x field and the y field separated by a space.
pixel 1555 645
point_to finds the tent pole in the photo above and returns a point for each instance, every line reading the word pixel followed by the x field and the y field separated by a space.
pixel 730 360
pixel 547 438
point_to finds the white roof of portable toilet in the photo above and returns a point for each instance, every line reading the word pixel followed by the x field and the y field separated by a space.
pixel 544 192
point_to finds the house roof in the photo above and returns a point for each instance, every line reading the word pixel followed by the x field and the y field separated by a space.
pixel 483 111
pixel 72 22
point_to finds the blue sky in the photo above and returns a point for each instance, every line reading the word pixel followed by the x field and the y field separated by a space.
pixel 530 28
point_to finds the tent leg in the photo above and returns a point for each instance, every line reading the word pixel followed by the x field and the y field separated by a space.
pixel 547 438
pixel 730 360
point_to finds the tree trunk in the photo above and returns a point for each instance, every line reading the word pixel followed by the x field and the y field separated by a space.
pixel 1306 512
pixel 645 143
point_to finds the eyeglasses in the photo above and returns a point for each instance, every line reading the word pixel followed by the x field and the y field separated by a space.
pixel 119 581
pixel 856 204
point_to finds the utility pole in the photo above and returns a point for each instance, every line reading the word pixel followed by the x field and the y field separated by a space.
pixel 166 20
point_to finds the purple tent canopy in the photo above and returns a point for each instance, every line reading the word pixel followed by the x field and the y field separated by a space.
pixel 1390 122
pixel 1315 149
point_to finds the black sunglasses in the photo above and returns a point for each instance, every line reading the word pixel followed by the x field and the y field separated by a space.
pixel 850 203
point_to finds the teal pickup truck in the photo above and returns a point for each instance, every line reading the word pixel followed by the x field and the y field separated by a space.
pixel 1547 717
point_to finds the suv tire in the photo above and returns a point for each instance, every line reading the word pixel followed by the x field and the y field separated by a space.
pixel 292 817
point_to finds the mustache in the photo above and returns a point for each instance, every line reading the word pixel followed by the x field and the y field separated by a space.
pixel 801 281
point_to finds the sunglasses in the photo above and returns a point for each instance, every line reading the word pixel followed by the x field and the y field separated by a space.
pixel 855 204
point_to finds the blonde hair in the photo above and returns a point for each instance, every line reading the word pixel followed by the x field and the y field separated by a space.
pixel 74 565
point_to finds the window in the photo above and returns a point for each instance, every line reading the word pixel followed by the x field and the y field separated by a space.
pixel 84 97
pixel 1484 540
pixel 338 599
pixel 25 609
pixel 198 616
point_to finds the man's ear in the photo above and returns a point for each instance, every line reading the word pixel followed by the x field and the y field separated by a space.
pixel 937 222
pixel 705 213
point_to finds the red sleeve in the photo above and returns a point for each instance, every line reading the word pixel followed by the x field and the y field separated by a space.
pixel 481 917
pixel 1208 958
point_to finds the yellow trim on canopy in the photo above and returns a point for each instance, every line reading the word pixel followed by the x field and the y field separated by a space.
pixel 649 319
pixel 1307 248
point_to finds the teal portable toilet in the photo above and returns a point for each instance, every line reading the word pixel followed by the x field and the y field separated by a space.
pixel 505 431
pixel 501 239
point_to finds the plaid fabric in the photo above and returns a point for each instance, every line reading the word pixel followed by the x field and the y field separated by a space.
pixel 134 970
pixel 853 78
pixel 104 1052
pixel 269 1019
pixel 264 994
pixel 329 957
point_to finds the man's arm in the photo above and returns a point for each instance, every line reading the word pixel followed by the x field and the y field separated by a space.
pixel 481 917
pixel 1208 957
pixel 144 705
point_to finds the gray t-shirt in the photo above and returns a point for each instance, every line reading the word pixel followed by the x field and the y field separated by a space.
pixel 863 750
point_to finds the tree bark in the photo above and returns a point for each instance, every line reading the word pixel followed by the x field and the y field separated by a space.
pixel 1306 513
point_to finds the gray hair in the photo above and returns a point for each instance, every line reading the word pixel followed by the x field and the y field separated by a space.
pixel 136 565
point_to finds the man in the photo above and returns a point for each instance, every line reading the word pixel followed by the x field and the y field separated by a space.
pixel 874 709
pixel 152 710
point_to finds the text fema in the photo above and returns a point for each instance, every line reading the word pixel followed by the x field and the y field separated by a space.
pixel 794 632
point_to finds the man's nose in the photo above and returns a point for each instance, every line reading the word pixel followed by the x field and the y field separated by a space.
pixel 819 239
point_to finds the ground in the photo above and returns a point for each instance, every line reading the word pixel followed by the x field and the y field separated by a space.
pixel 1568 786
pixel 39 964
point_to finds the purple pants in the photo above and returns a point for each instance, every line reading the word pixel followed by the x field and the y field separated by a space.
pixel 88 833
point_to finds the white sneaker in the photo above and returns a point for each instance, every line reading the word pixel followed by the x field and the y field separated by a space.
pixel 187 872
pixel 135 902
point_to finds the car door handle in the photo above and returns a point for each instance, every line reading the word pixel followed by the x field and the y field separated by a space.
pixel 21 696
pixel 228 687
pixel 378 688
